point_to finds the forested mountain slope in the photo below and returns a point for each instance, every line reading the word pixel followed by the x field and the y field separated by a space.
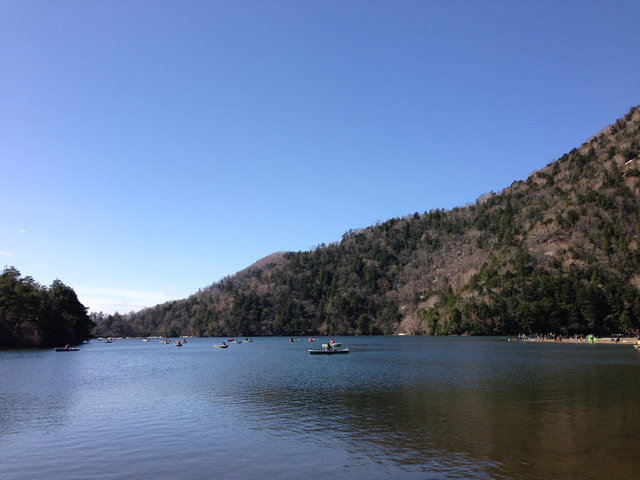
pixel 557 253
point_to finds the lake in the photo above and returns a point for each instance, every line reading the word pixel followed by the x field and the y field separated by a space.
pixel 394 407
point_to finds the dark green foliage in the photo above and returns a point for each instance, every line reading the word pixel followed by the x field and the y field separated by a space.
pixel 35 316
pixel 569 302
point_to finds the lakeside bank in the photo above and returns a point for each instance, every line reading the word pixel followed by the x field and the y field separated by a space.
pixel 578 340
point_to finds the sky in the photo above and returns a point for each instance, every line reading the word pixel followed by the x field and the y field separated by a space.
pixel 150 148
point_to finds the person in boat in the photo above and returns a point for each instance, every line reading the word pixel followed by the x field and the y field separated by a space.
pixel 329 347
pixel 67 346
pixel 332 341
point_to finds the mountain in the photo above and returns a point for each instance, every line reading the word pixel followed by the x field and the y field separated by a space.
pixel 558 252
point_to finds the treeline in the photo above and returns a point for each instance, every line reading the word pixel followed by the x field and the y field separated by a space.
pixel 558 252
pixel 35 316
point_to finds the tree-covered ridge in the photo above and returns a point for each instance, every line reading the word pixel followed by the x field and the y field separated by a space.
pixel 35 316
pixel 557 252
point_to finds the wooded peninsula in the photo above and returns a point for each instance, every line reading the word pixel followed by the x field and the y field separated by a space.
pixel 35 316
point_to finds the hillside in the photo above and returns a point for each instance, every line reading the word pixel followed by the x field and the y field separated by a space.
pixel 557 253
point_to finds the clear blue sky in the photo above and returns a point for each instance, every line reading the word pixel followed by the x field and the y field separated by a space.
pixel 150 148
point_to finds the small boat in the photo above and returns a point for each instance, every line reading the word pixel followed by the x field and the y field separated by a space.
pixel 334 345
pixel 67 349
pixel 178 343
pixel 325 351
pixel 222 345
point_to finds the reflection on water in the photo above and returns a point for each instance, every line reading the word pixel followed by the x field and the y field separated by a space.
pixel 395 407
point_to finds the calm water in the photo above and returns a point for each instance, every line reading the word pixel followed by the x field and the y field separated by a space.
pixel 395 407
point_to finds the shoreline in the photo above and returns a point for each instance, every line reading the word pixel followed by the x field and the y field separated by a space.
pixel 577 341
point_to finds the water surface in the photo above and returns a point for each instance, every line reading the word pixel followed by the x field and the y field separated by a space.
pixel 395 407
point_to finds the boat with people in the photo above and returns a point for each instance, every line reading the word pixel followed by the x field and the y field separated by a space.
pixel 178 343
pixel 334 345
pixel 329 351
pixel 221 345
pixel 67 348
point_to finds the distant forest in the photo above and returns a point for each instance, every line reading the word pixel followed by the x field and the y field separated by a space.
pixel 35 316
pixel 558 252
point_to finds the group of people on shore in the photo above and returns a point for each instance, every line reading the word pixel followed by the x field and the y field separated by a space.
pixel 591 338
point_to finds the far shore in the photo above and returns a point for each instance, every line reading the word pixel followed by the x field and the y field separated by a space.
pixel 601 340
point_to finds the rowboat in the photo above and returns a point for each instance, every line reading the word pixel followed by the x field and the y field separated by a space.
pixel 65 349
pixel 222 345
pixel 329 352
pixel 334 345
